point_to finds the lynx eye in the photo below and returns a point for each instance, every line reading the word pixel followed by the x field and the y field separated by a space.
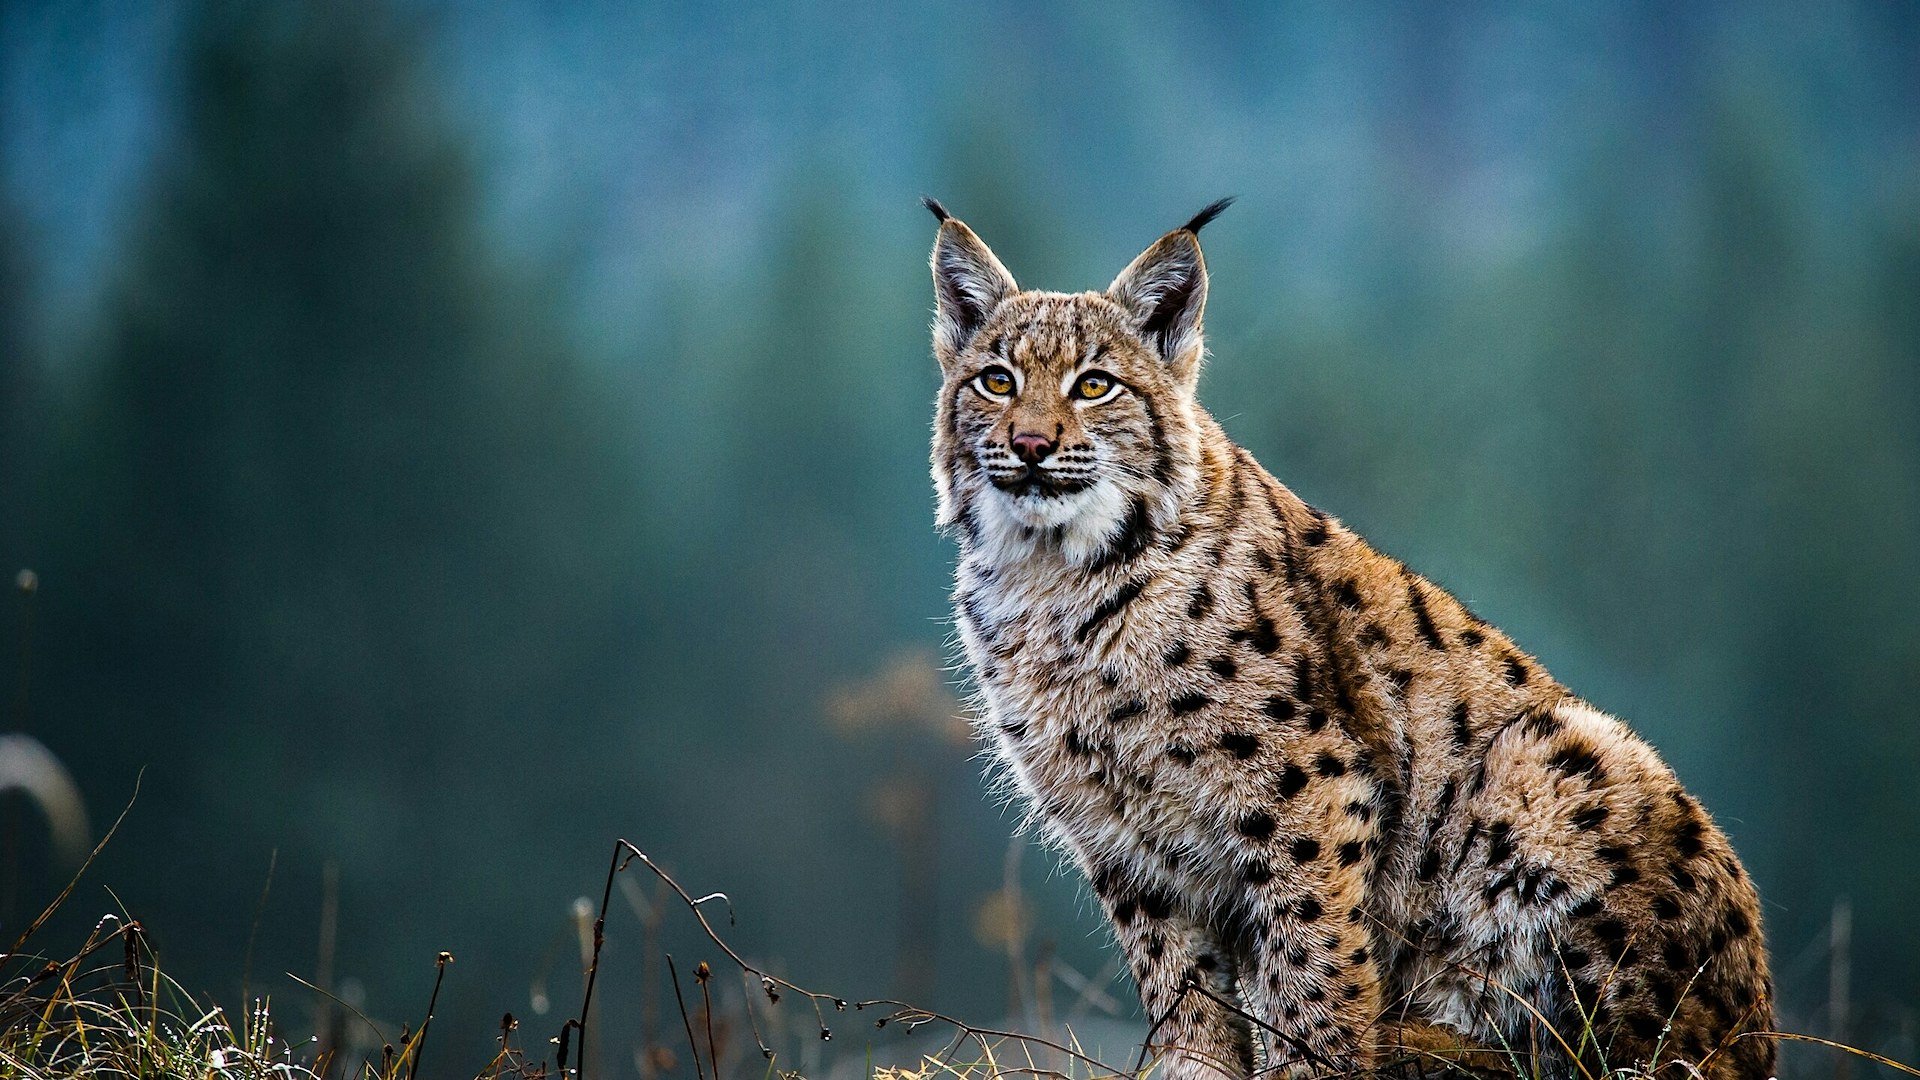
pixel 995 382
pixel 1094 385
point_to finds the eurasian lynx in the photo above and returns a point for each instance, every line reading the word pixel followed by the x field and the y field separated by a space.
pixel 1322 803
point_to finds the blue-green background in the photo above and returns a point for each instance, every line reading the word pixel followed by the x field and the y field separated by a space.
pixel 452 436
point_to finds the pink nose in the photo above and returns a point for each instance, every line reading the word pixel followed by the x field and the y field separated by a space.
pixel 1033 449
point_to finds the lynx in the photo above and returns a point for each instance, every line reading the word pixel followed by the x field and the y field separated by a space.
pixel 1328 811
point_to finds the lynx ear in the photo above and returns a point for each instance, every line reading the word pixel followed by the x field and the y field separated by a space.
pixel 968 283
pixel 1165 290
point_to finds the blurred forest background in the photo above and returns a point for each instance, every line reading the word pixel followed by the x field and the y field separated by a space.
pixel 449 437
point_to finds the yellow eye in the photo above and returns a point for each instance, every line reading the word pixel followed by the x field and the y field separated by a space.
pixel 996 381
pixel 1092 385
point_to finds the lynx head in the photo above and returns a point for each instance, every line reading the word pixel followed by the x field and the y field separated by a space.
pixel 1065 419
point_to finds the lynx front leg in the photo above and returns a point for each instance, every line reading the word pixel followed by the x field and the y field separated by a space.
pixel 1310 981
pixel 1200 1037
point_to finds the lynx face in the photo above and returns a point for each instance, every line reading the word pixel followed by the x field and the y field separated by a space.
pixel 1064 416
pixel 1054 410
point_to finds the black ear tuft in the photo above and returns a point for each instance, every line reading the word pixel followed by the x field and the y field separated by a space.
pixel 940 212
pixel 1201 219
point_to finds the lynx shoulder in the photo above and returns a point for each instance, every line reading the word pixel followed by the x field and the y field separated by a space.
pixel 1323 805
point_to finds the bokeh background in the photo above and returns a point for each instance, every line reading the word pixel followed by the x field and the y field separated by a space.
pixel 449 437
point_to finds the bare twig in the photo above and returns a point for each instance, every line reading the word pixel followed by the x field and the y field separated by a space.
pixel 702 974
pixel 912 1016
pixel 692 1046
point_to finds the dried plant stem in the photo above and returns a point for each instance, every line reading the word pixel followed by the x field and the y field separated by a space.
pixel 692 1046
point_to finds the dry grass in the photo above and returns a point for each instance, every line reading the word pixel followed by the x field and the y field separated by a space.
pixel 107 1010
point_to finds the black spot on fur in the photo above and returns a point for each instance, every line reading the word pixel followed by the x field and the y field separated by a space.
pixel 1109 607
pixel 1279 708
pixel 1075 745
pixel 1516 672
pixel 1666 907
pixel 1678 957
pixel 1429 864
pixel 1686 839
pixel 1308 910
pixel 1297 956
pixel 1479 781
pixel 1473 637
pixel 1327 765
pixel 1315 533
pixel 1224 666
pixel 1499 842
pixel 1398 678
pixel 1499 885
pixel 1263 636
pixel 1181 754
pixel 1682 880
pixel 1578 759
pixel 1590 818
pixel 1587 908
pixel 1623 876
pixel 1292 779
pixel 1316 719
pixel 1538 883
pixel 1126 710
pixel 1442 806
pixel 1156 904
pixel 1644 1026
pixel 1738 925
pixel 1257 872
pixel 1466 846
pixel 1123 912
pixel 1189 703
pixel 1179 654
pixel 1240 744
pixel 1014 729
pixel 1422 620
pixel 1136 535
pixel 1612 932
pixel 1201 603
pixel 1206 961
pixel 1540 723
pixel 1162 455
pixel 1350 853
pixel 1257 825
pixel 1347 595
pixel 1361 810
pixel 1343 698
pixel 1305 849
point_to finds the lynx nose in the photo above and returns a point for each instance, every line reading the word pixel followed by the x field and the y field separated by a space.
pixel 1033 449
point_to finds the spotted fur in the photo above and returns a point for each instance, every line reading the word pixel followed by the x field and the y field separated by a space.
pixel 1320 802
